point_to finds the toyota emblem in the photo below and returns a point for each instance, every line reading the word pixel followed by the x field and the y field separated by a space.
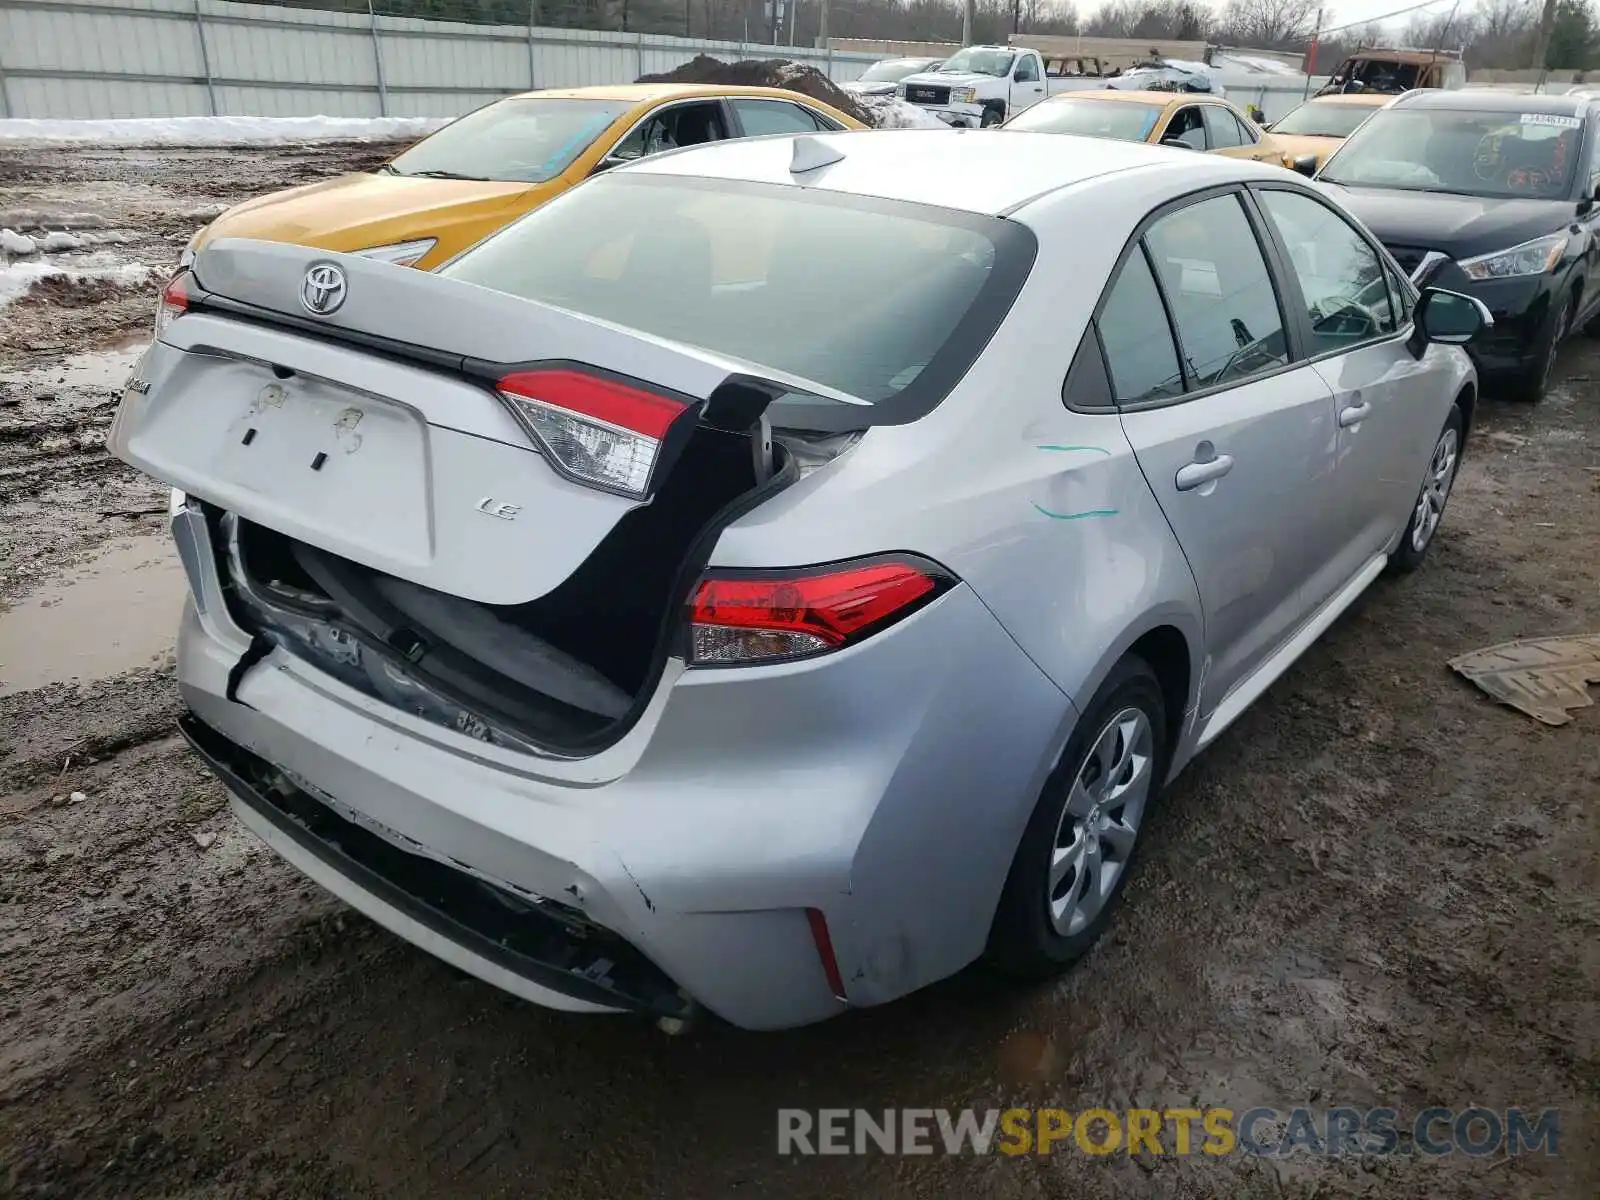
pixel 323 289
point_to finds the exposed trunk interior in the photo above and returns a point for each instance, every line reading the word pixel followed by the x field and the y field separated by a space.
pixel 568 671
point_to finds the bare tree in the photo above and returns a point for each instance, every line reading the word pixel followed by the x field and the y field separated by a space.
pixel 1268 23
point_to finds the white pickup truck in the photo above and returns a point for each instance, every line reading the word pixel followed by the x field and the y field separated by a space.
pixel 982 85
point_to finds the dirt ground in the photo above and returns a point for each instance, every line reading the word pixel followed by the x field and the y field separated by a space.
pixel 1379 888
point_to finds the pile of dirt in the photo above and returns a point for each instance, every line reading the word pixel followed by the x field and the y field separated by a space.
pixel 765 72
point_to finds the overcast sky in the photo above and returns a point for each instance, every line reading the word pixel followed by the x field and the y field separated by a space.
pixel 1336 12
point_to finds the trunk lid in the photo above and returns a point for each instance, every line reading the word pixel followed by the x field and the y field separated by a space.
pixel 374 432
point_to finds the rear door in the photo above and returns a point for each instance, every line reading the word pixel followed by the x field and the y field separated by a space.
pixel 1388 405
pixel 1233 434
pixel 1230 136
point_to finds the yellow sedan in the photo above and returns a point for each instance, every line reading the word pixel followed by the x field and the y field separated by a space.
pixel 1318 126
pixel 1196 122
pixel 483 171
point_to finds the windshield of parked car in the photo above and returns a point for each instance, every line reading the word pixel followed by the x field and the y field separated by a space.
pixel 894 70
pixel 857 296
pixel 1122 120
pixel 1490 154
pixel 978 62
pixel 1323 120
pixel 517 141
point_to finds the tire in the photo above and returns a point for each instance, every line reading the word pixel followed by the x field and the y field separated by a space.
pixel 1038 932
pixel 991 117
pixel 1427 512
pixel 1530 387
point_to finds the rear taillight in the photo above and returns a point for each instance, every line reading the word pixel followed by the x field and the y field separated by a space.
pixel 597 431
pixel 174 301
pixel 761 616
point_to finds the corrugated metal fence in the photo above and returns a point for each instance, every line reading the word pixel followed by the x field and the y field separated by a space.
pixel 166 58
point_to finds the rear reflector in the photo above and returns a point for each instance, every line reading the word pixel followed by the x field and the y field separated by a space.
pixel 596 431
pixel 174 301
pixel 824 943
pixel 747 617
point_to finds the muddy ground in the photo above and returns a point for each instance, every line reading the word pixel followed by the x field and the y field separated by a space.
pixel 1378 889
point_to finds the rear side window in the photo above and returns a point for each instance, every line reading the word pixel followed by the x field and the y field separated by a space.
pixel 773 116
pixel 884 301
pixel 1138 341
pixel 1224 130
pixel 1222 298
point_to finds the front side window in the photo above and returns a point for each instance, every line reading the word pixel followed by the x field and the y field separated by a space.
pixel 671 128
pixel 1123 121
pixel 1026 71
pixel 1491 154
pixel 522 140
pixel 850 296
pixel 1187 127
pixel 1224 130
pixel 1221 294
pixel 1341 276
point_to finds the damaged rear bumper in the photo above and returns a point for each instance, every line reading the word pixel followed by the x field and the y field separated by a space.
pixel 884 787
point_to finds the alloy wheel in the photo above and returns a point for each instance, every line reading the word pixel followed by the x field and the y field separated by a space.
pixel 1436 486
pixel 1100 821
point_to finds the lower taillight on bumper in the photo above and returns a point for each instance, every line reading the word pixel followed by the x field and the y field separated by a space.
pixel 741 617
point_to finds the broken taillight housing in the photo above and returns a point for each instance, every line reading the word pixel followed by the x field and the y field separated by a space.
pixel 763 616
pixel 174 301
pixel 596 430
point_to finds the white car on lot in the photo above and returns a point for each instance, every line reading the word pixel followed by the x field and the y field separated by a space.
pixel 980 86
pixel 772 576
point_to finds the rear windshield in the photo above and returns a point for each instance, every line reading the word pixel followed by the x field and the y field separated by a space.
pixel 1323 120
pixel 1124 120
pixel 516 141
pixel 886 302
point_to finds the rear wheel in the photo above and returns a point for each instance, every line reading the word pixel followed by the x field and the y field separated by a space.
pixel 1078 848
pixel 1428 510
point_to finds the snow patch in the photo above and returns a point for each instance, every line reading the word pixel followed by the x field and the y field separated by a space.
pixel 60 240
pixel 18 278
pixel 888 112
pixel 218 131
pixel 14 243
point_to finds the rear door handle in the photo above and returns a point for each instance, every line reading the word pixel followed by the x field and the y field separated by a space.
pixel 1197 474
pixel 1354 414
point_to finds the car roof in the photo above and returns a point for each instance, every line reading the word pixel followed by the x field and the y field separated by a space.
pixel 640 93
pixel 1364 99
pixel 1143 97
pixel 1462 100
pixel 992 172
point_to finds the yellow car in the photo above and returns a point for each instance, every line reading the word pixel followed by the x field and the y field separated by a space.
pixel 1317 127
pixel 483 171
pixel 1188 119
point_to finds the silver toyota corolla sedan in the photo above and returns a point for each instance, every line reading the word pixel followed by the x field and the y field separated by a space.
pixel 775 575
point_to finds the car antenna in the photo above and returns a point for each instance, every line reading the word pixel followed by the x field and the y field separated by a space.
pixel 811 153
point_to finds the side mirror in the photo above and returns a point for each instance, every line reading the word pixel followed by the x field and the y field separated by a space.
pixel 1448 318
pixel 1306 165
pixel 609 161
pixel 1178 143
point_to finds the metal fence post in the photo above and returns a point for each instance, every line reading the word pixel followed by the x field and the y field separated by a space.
pixel 638 55
pixel 377 59
pixel 205 57
pixel 5 102
pixel 533 20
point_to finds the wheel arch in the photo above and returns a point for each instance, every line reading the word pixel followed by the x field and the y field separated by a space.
pixel 1170 641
